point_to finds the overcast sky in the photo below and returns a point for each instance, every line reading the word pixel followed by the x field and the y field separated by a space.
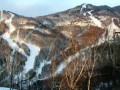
pixel 44 7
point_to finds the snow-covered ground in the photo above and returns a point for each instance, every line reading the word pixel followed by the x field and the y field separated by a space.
pixel 9 24
pixel 11 42
pixel 28 35
pixel 1 16
pixel 64 64
pixel 4 88
pixel 42 30
pixel 42 64
pixel 112 29
pixel 102 39
pixel 34 51
pixel 95 20
pixel 81 10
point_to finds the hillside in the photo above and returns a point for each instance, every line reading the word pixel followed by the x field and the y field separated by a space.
pixel 72 46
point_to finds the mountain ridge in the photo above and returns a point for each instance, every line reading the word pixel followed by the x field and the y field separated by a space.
pixel 58 39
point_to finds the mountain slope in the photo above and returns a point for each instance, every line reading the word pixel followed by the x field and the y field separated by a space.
pixel 30 47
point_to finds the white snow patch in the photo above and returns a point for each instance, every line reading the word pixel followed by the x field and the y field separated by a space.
pixel 42 64
pixel 102 39
pixel 5 88
pixel 66 62
pixel 81 11
pixel 42 30
pixel 29 27
pixel 112 29
pixel 84 6
pixel 28 35
pixel 8 22
pixel 60 68
pixel 1 16
pixel 95 20
pixel 46 22
pixel 5 79
pixel 110 83
pixel 39 71
pixel 106 85
pixel 18 34
pixel 12 43
pixel 66 23
pixel 34 51
pixel 81 33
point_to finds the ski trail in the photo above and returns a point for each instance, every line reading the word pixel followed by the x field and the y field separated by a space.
pixel 42 64
pixel 9 23
pixel 95 20
pixel 1 16
pixel 34 51
pixel 64 64
pixel 112 29
pixel 11 43
pixel 81 10
pixel 28 35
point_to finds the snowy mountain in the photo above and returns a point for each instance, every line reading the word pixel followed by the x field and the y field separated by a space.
pixel 43 47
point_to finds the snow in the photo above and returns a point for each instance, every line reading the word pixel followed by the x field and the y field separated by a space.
pixel 102 39
pixel 81 11
pixel 5 88
pixel 67 48
pixel 110 83
pixel 18 34
pixel 66 23
pixel 39 71
pixel 84 5
pixel 34 51
pixel 46 22
pixel 106 85
pixel 84 53
pixel 42 64
pixel 29 27
pixel 5 79
pixel 28 35
pixel 95 20
pixel 66 34
pixel 8 23
pixel 12 43
pixel 60 68
pixel 43 30
pixel 112 29
pixel 66 62
pixel 1 16
pixel 81 33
